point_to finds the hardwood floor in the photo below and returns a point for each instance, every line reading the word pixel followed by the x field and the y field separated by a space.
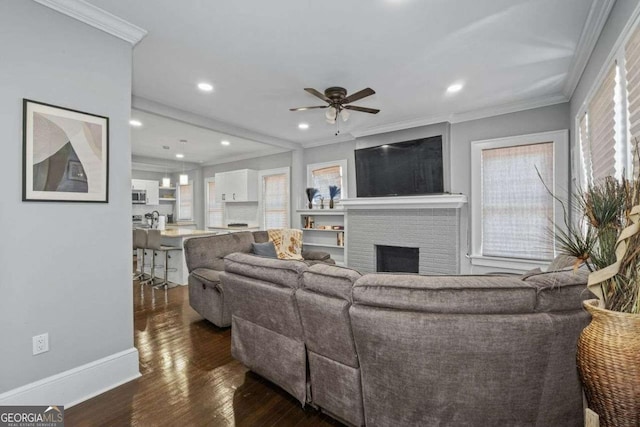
pixel 188 376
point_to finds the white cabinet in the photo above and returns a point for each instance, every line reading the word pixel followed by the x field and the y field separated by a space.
pixel 324 230
pixel 237 186
pixel 151 187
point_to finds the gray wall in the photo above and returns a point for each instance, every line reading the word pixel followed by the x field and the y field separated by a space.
pixel 65 268
pixel 151 176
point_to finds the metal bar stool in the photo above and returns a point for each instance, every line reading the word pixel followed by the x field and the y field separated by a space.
pixel 140 242
pixel 153 242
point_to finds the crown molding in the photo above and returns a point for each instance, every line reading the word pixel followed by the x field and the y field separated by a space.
pixel 241 157
pixel 466 116
pixel 593 26
pixel 97 18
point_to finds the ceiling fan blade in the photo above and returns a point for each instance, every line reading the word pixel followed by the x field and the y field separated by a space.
pixel 308 108
pixel 320 95
pixel 359 95
pixel 363 109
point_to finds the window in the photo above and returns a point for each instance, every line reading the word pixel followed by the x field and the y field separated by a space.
pixel 214 213
pixel 274 198
pixel 322 175
pixel 512 212
pixel 609 121
pixel 185 201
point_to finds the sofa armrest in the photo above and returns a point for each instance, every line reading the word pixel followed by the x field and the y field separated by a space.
pixel 315 255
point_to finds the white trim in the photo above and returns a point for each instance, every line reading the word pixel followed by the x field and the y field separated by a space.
pixel 78 384
pixel 268 172
pixel 521 265
pixel 343 170
pixel 593 26
pixel 560 139
pixel 84 11
pixel 435 201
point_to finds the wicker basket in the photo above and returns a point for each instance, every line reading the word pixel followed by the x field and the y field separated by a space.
pixel 609 365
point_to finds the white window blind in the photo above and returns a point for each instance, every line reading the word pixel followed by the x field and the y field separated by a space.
pixel 516 207
pixel 214 209
pixel 324 177
pixel 632 68
pixel 583 137
pixel 185 201
pixel 602 124
pixel 275 201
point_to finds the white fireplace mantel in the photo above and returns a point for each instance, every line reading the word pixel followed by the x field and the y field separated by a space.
pixel 435 201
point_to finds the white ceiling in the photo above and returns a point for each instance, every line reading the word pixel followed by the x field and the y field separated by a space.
pixel 259 55
pixel 203 145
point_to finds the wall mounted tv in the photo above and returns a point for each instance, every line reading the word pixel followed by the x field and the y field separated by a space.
pixel 407 168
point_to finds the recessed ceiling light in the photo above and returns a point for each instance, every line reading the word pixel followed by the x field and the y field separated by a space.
pixel 205 87
pixel 456 87
pixel 225 142
pixel 135 123
pixel 303 126
pixel 179 155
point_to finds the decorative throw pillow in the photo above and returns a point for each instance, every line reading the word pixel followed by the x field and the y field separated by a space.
pixel 288 242
pixel 266 249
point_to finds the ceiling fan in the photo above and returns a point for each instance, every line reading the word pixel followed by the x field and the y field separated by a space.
pixel 336 98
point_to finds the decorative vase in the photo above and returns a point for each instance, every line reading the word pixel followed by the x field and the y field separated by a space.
pixel 331 204
pixel 609 365
pixel 310 205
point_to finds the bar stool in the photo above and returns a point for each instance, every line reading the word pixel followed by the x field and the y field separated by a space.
pixel 139 242
pixel 153 243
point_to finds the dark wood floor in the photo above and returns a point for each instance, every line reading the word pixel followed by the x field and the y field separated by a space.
pixel 188 376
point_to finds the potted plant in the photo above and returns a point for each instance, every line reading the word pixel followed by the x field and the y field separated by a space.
pixel 334 191
pixel 607 239
pixel 312 193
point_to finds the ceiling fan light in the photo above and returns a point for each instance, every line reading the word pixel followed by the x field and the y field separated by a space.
pixel 345 115
pixel 331 114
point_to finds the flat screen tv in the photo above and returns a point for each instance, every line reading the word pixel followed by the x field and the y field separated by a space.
pixel 407 168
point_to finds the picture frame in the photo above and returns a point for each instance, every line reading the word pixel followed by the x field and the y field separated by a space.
pixel 65 154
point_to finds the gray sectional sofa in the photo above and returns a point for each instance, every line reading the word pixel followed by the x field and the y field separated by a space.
pixel 204 257
pixel 407 350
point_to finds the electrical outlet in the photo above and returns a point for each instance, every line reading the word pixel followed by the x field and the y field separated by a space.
pixel 40 343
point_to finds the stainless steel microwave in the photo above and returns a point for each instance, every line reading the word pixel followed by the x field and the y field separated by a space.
pixel 139 197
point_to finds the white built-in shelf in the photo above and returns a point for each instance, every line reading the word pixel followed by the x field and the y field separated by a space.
pixel 320 229
pixel 321 245
pixel 166 188
pixel 321 211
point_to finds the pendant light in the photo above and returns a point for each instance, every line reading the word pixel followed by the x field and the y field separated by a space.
pixel 166 181
pixel 184 178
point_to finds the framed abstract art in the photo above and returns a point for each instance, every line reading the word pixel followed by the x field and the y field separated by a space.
pixel 65 154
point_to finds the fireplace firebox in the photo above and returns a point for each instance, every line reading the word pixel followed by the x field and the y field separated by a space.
pixel 397 259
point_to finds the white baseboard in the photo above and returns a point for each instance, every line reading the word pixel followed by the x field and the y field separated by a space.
pixel 78 384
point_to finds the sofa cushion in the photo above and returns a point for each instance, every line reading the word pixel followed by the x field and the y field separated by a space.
pixel 209 251
pixel 560 290
pixel 261 236
pixel 330 280
pixel 265 249
pixel 207 276
pixel 285 273
pixel 445 294
pixel 315 255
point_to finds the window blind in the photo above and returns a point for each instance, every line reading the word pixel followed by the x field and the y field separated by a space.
pixel 516 207
pixel 632 68
pixel 214 210
pixel 601 120
pixel 324 177
pixel 185 206
pixel 275 201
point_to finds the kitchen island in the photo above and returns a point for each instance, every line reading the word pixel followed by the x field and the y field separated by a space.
pixel 178 273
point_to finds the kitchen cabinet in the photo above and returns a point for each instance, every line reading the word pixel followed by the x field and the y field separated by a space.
pixel 151 187
pixel 237 186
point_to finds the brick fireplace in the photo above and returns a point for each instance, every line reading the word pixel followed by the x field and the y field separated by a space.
pixel 430 224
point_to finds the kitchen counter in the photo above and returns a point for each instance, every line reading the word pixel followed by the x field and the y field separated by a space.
pixel 185 232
